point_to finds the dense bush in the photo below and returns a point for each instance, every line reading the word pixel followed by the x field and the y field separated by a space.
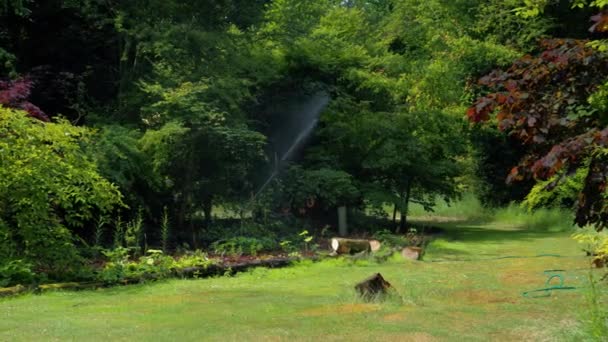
pixel 153 265
pixel 16 272
pixel 48 187
pixel 242 245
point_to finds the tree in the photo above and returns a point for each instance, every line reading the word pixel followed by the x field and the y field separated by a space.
pixel 397 73
pixel 187 73
pixel 552 102
pixel 396 157
pixel 207 153
pixel 15 94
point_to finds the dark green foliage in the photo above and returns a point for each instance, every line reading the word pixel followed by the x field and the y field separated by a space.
pixel 495 153
pixel 177 90
pixel 80 74
pixel 121 159
pixel 390 241
pixel 497 22
pixel 323 188
pixel 17 272
pixel 242 245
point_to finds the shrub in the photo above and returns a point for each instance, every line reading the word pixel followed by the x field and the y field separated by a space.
pixel 114 269
pixel 390 240
pixel 153 265
pixel 240 245
pixel 16 272
pixel 197 258
pixel 134 232
pixel 47 186
pixel 595 244
pixel 296 243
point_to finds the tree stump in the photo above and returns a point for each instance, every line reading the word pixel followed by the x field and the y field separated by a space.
pixel 351 246
pixel 411 253
pixel 373 287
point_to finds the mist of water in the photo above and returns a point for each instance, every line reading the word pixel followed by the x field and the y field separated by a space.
pixel 300 139
pixel 303 122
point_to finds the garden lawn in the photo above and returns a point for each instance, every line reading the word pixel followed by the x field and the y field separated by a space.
pixel 459 292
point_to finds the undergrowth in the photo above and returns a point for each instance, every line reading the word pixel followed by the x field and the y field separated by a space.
pixel 470 209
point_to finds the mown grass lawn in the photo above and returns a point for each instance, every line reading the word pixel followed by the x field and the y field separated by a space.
pixel 441 298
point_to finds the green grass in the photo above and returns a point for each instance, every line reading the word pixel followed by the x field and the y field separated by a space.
pixel 461 291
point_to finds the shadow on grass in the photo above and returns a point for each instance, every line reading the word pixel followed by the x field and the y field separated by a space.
pixel 483 231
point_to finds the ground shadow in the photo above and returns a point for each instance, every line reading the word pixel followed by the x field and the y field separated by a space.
pixel 482 231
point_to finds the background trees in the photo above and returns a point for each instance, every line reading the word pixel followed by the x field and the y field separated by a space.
pixel 187 103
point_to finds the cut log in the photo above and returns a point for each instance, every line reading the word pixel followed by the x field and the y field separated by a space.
pixel 373 287
pixel 69 286
pixel 12 291
pixel 374 245
pixel 411 253
pixel 350 246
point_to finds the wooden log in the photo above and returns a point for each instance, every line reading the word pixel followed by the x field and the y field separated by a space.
pixel 350 246
pixel 411 253
pixel 69 286
pixel 12 291
pixel 373 287
pixel 374 245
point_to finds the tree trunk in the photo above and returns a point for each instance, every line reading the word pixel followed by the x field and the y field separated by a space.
pixel 207 210
pixel 182 215
pixel 395 215
pixel 194 233
pixel 405 207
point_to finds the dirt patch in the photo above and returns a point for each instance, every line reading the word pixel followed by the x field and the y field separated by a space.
pixel 531 334
pixel 483 297
pixel 396 317
pixel 379 336
pixel 341 309
pixel 414 337
pixel 171 299
pixel 521 278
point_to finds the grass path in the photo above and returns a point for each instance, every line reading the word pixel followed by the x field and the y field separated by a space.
pixel 441 299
